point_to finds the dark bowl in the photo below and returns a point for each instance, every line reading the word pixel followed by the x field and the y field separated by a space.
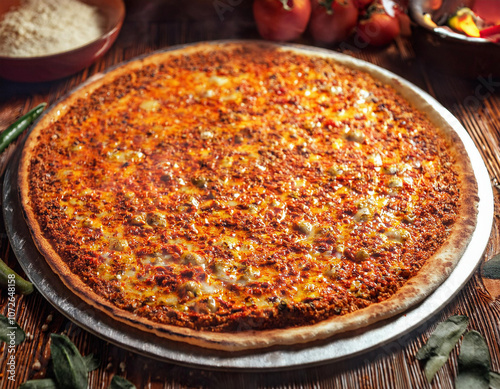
pixel 55 66
pixel 448 51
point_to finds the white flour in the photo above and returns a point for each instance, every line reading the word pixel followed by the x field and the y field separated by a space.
pixel 42 27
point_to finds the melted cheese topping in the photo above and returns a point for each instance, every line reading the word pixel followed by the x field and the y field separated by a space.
pixel 240 189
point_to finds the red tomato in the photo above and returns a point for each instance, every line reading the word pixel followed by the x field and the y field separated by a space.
pixel 398 9
pixel 392 7
pixel 489 10
pixel 377 28
pixel 281 20
pixel 333 25
pixel 362 4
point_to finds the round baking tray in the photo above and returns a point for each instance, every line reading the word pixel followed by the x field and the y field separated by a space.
pixel 336 348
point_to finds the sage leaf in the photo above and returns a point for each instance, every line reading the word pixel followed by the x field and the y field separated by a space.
pixel 119 382
pixel 494 380
pixel 473 363
pixel 437 350
pixel 91 361
pixel 45 383
pixel 10 332
pixel 491 268
pixel 70 368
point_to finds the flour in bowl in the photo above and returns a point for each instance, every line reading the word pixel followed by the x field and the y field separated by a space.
pixel 44 27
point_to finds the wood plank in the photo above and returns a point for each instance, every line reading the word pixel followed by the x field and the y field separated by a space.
pixel 389 366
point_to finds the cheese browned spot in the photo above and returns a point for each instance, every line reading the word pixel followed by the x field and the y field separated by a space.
pixel 231 190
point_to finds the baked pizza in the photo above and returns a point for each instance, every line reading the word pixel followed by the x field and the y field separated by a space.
pixel 242 195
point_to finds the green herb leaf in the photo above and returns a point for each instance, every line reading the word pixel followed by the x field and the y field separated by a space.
pixel 491 268
pixel 14 130
pixel 494 380
pixel 120 383
pixel 473 363
pixel 10 332
pixel 46 383
pixel 70 368
pixel 6 281
pixel 439 345
pixel 91 361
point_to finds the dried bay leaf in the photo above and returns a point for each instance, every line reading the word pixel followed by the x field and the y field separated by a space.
pixel 473 363
pixel 494 380
pixel 491 268
pixel 70 368
pixel 433 365
pixel 120 383
pixel 91 362
pixel 64 356
pixel 470 380
pixel 436 351
pixel 45 383
pixel 10 331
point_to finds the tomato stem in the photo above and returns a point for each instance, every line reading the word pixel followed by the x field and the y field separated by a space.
pixel 287 7
pixel 328 6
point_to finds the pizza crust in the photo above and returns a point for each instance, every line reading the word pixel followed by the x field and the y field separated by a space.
pixel 431 275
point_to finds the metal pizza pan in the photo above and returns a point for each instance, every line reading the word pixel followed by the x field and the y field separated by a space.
pixel 276 358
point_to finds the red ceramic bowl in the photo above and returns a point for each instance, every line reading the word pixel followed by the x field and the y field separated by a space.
pixel 55 66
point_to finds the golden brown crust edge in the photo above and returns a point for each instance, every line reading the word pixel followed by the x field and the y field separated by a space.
pixel 432 274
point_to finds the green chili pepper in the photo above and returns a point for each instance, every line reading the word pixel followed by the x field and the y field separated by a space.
pixel 9 278
pixel 14 130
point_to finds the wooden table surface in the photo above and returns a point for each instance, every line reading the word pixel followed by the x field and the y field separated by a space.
pixel 155 25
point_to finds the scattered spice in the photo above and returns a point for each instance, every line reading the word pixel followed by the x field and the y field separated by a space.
pixel 36 365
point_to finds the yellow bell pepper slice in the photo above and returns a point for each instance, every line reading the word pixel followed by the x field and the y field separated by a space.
pixel 463 21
